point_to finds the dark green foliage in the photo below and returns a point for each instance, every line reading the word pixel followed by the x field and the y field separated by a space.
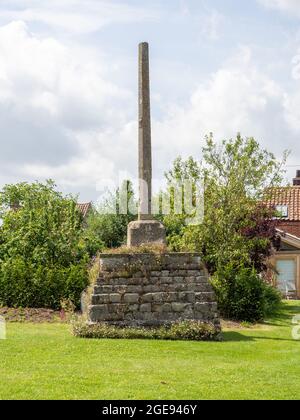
pixel 43 250
pixel 186 330
pixel 111 229
pixel 237 230
pixel 107 223
pixel 23 284
pixel 91 241
pixel 272 300
pixel 176 224
pixel 243 295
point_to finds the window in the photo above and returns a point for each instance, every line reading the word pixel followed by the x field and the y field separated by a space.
pixel 286 279
pixel 282 211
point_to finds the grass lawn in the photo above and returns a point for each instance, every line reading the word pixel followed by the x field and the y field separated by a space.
pixel 44 361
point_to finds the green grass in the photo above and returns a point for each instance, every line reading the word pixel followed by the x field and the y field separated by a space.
pixel 46 362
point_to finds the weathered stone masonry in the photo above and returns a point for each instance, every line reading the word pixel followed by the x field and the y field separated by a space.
pixel 152 290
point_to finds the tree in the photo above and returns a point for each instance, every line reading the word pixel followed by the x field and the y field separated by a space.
pixel 238 230
pixel 237 227
pixel 183 173
pixel 43 252
pixel 108 222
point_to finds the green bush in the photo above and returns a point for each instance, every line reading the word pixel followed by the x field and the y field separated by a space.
pixel 187 330
pixel 107 223
pixel 243 295
pixel 272 300
pixel 23 284
pixel 44 248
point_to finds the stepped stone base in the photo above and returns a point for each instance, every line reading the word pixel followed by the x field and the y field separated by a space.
pixel 152 290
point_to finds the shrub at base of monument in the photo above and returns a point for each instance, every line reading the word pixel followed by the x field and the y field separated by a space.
pixel 180 331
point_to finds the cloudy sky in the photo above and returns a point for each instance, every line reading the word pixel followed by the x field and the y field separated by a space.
pixel 68 83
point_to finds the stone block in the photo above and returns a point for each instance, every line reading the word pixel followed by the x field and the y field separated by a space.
pixel 132 308
pixel 149 288
pixel 179 273
pixel 98 313
pixel 147 298
pixel 189 280
pixel 166 307
pixel 171 297
pixel 166 280
pixel 178 306
pixel 119 281
pixel 145 307
pixel 102 289
pixel 202 287
pixel 158 297
pixel 213 306
pixel 179 287
pixel 193 266
pixel 134 289
pixel 129 316
pixel 115 317
pixel 115 298
pixel 201 279
pixel 202 307
pixel 119 289
pixel 144 232
pixel 179 280
pixel 100 299
pixel 165 273
pixel 131 298
pixel 111 263
pixel 205 297
pixel 116 307
pixel 156 307
pixel 135 281
pixel 189 309
pixel 138 275
pixel 155 273
pixel 149 316
pixel 186 297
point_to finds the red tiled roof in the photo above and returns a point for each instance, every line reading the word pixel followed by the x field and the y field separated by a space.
pixel 287 196
pixel 84 208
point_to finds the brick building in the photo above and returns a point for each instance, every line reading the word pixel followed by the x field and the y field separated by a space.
pixel 286 200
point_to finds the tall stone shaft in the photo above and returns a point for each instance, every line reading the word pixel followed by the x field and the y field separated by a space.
pixel 146 230
pixel 145 149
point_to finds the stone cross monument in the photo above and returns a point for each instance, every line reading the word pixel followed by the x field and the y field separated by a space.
pixel 146 230
pixel 178 282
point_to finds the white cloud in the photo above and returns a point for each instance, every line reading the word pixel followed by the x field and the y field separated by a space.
pixel 237 98
pixel 209 21
pixel 289 6
pixel 75 16
pixel 59 116
pixel 62 117
pixel 292 111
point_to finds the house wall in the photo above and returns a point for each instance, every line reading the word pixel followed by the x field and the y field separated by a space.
pixel 293 228
pixel 287 255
